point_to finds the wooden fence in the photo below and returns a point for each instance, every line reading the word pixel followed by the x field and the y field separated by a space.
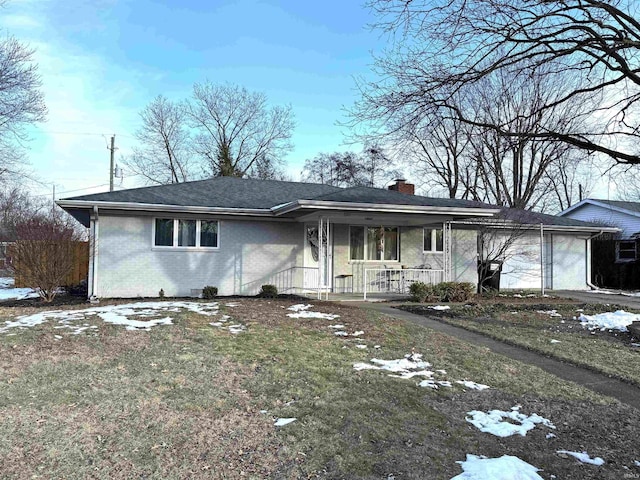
pixel 79 272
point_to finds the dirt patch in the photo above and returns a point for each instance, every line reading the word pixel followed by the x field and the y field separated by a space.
pixel 604 431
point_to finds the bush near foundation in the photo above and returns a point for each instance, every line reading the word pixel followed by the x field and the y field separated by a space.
pixel 442 292
pixel 268 291
pixel 209 292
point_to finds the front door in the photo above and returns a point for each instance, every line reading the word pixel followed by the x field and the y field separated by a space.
pixel 315 249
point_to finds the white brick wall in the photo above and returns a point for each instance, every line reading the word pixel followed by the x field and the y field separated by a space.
pixel 251 254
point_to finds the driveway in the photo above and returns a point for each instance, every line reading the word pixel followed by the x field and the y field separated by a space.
pixel 591 297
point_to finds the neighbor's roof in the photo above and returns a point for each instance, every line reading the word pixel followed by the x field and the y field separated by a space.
pixel 632 208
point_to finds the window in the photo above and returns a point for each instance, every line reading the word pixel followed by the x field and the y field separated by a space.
pixel 374 243
pixel 186 233
pixel 433 240
pixel 208 233
pixel 170 232
pixel 626 251
pixel 164 232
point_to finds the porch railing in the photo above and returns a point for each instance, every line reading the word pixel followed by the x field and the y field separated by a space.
pixel 398 280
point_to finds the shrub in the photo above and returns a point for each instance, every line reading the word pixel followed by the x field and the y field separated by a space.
pixel 268 291
pixel 161 293
pixel 80 289
pixel 209 292
pixel 420 291
pixel 442 292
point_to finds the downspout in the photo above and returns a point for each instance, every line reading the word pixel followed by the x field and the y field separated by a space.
pixel 94 257
pixel 589 284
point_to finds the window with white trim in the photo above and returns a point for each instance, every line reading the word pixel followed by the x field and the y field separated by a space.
pixel 626 251
pixel 433 240
pixel 374 243
pixel 174 232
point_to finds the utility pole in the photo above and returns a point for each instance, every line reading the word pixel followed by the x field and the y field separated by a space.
pixel 111 167
pixel 53 204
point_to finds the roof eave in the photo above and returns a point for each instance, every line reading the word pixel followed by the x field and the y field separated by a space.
pixel 598 203
pixel 154 207
pixel 383 207
pixel 546 227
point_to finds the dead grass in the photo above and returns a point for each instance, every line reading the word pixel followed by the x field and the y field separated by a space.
pixel 522 324
pixel 184 401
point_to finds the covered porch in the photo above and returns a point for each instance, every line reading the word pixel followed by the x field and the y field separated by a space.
pixel 374 255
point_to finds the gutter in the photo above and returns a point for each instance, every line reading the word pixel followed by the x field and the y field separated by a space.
pixel 547 228
pixel 156 207
pixel 381 207
pixel 94 256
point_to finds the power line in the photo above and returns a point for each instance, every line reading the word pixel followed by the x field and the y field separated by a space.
pixel 71 191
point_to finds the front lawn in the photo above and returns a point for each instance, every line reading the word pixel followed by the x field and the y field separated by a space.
pixel 552 327
pixel 84 397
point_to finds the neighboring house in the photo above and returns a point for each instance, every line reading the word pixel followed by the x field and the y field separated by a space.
pixel 239 234
pixel 616 264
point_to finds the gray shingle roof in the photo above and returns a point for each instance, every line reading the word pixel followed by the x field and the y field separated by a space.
pixel 631 206
pixel 224 192
pixel 232 192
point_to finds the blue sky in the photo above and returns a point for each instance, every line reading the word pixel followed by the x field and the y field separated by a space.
pixel 102 61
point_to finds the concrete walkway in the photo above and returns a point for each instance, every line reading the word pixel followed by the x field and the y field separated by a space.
pixel 600 383
pixel 591 297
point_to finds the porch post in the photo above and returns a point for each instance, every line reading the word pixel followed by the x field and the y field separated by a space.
pixel 320 257
pixel 446 240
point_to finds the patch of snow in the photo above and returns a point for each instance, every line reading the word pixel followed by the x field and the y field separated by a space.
pixel 341 333
pixel 553 340
pixel 7 292
pixel 307 314
pixel 376 346
pixel 281 422
pixel 551 313
pixel 583 457
pixel 114 314
pixel 506 467
pixel 337 326
pixel 550 435
pixel 492 422
pixel 358 333
pixel 635 344
pixel 444 383
pixel 636 463
pixel 472 385
pixel 231 305
pixel 362 347
pixel 618 320
pixel 299 307
pixel 440 307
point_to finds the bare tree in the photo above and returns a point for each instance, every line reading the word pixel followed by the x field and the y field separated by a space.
pixel 472 161
pixel 43 254
pixel 164 152
pixel 21 103
pixel 371 168
pixel 236 130
pixel 444 47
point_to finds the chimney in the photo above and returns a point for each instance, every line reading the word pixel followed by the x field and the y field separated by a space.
pixel 403 187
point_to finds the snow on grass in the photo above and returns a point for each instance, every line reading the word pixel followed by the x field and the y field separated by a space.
pixel 300 307
pixel 506 467
pixel 439 307
pixel 337 326
pixel 553 340
pixel 155 312
pixel 472 385
pixel 222 323
pixel 551 313
pixel 618 320
pixel 492 422
pixel 281 422
pixel 408 367
pixel 7 292
pixel 307 314
pixel 583 457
